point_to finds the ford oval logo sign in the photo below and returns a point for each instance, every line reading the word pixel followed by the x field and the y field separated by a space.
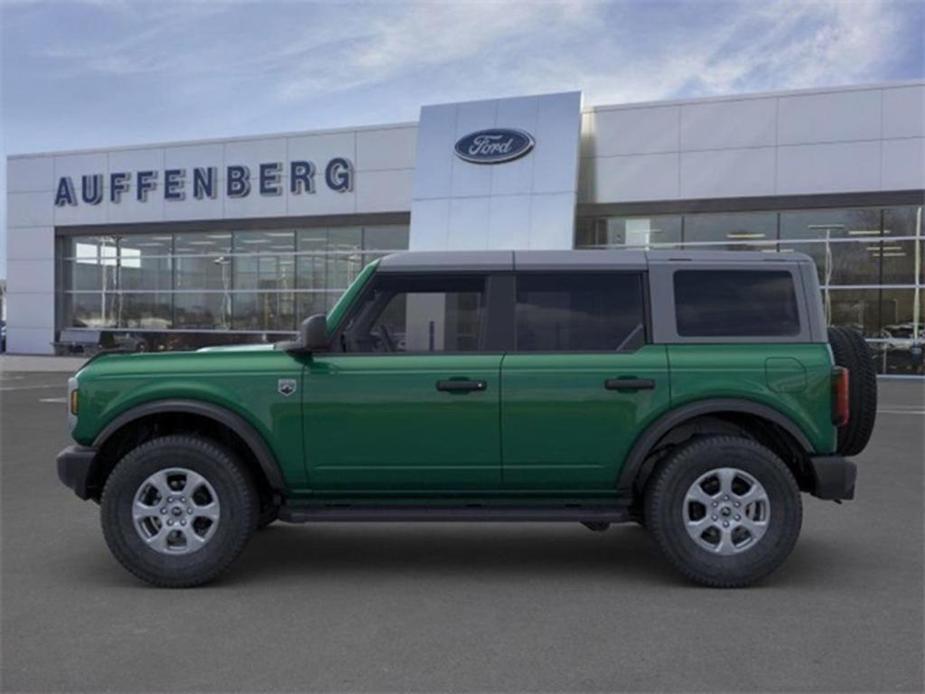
pixel 494 146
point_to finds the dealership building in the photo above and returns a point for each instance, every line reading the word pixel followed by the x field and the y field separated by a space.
pixel 185 244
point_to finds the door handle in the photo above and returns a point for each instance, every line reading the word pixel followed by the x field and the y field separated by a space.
pixel 629 384
pixel 461 385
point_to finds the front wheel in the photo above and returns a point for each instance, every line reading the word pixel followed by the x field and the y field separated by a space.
pixel 177 510
pixel 725 511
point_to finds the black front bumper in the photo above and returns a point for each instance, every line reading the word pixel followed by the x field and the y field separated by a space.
pixel 833 477
pixel 77 467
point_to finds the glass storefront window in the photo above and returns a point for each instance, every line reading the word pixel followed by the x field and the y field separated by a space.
pixel 92 310
pixel 900 344
pixel 346 260
pixel 263 272
pixel 898 314
pixel 903 260
pixel 899 261
pixel 145 264
pixel 202 272
pixel 841 262
pixel 635 232
pixel 344 239
pixel 329 258
pixel 89 263
pixel 310 303
pixel 146 245
pixel 863 223
pixel 263 311
pixel 92 249
pixel 208 310
pixel 310 262
pixel 203 243
pixel 902 221
pixel 147 311
pixel 253 282
pixel 736 231
pixel 277 241
pixel 87 276
pixel 854 308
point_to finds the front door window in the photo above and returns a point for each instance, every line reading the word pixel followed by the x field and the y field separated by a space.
pixel 419 315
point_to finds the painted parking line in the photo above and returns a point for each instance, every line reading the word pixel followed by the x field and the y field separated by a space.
pixel 59 386
pixel 901 411
pixel 57 400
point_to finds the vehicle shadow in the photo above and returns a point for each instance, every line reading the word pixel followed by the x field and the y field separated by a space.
pixel 625 555
pixel 282 552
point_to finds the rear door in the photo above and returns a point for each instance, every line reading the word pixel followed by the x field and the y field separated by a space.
pixel 582 380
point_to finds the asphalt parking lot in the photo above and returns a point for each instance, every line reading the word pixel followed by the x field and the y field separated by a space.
pixel 481 607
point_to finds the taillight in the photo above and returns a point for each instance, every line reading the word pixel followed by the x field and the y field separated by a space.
pixel 841 409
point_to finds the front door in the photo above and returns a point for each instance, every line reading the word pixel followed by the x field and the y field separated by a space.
pixel 410 400
pixel 581 382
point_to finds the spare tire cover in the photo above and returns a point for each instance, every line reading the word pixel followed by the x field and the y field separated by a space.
pixel 851 351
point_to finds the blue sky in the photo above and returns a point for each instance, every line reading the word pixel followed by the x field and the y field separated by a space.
pixel 90 73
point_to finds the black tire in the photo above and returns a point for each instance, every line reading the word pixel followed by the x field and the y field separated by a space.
pixel 665 505
pixel 232 485
pixel 851 351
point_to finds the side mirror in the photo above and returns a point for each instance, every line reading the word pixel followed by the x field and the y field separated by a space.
pixel 313 333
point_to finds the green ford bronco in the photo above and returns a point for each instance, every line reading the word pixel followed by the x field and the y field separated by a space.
pixel 694 393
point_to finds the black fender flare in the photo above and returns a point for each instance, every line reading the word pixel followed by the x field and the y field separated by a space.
pixel 656 430
pixel 251 437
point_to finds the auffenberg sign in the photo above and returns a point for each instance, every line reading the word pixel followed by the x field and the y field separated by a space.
pixel 203 182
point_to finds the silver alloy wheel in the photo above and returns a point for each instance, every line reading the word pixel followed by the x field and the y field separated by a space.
pixel 176 511
pixel 726 511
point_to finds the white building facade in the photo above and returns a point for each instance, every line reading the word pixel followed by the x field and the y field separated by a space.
pixel 185 244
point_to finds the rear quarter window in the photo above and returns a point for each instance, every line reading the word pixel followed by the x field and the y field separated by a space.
pixel 735 303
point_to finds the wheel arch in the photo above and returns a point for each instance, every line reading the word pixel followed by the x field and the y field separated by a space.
pixel 260 452
pixel 638 463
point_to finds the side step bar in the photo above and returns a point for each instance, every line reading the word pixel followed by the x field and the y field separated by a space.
pixel 434 514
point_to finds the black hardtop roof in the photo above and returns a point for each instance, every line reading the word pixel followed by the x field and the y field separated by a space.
pixel 471 261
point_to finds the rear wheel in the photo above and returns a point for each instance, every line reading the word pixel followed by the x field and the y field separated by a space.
pixel 724 510
pixel 177 510
pixel 851 351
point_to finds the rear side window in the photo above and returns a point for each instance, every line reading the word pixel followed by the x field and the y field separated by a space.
pixel 732 303
pixel 580 312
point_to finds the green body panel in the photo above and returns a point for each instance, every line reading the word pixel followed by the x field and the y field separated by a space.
pixel 794 379
pixel 562 429
pixel 377 423
pixel 242 380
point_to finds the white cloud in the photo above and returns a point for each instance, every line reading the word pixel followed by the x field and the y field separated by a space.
pixel 784 45
pixel 607 50
pixel 411 37
pixel 224 67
